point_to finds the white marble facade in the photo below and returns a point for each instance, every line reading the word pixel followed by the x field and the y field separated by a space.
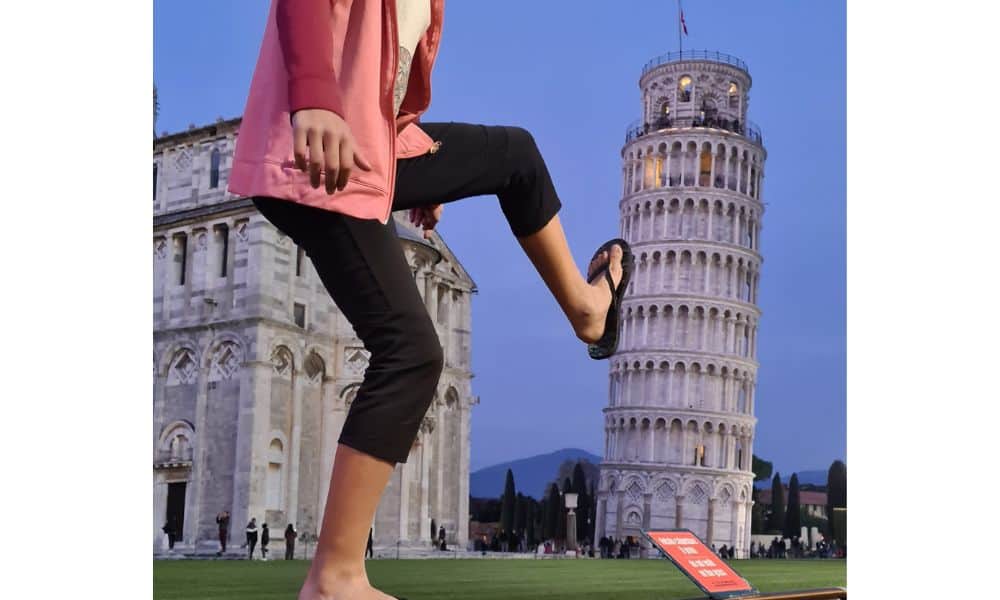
pixel 679 424
pixel 254 367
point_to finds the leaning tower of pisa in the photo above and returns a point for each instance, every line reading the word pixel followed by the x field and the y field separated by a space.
pixel 679 424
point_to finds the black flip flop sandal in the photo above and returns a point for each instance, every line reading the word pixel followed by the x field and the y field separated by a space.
pixel 606 346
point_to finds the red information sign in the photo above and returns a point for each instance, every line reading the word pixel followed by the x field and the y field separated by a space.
pixel 699 563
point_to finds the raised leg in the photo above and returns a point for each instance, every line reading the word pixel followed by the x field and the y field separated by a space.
pixel 585 304
pixel 475 160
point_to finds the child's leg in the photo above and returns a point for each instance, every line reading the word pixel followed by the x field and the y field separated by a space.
pixel 475 160
pixel 356 486
pixel 362 265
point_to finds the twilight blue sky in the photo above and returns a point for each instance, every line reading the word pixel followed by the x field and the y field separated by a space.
pixel 568 73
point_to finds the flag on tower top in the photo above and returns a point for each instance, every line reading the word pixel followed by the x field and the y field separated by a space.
pixel 684 24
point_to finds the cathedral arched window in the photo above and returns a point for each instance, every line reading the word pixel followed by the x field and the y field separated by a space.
pixel 180 258
pixel 275 464
pixel 684 87
pixel 442 304
pixel 180 447
pixel 175 442
pixel 222 244
pixel 451 399
pixel 315 367
pixel 214 175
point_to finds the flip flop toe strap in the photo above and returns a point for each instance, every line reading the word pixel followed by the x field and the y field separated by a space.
pixel 611 284
pixel 609 329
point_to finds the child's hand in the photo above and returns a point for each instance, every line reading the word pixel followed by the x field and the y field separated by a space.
pixel 323 144
pixel 426 217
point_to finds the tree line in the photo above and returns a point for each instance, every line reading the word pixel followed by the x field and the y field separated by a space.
pixel 788 518
pixel 519 515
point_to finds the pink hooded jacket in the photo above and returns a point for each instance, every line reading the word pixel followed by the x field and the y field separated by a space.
pixel 339 55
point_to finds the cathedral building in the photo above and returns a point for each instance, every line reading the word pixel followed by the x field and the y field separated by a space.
pixel 254 368
pixel 679 425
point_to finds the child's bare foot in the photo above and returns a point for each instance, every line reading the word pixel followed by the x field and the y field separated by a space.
pixel 346 587
pixel 589 322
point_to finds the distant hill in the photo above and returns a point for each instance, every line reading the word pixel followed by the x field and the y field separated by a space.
pixel 817 477
pixel 531 475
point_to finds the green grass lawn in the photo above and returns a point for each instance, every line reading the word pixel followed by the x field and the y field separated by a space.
pixel 484 579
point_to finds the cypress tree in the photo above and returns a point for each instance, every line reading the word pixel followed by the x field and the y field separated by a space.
pixel 761 468
pixel 756 514
pixel 552 514
pixel 507 504
pixel 836 493
pixel 579 479
pixel 793 518
pixel 545 518
pixel 529 535
pixel 592 515
pixel 582 503
pixel 761 472
pixel 777 520
pixel 518 515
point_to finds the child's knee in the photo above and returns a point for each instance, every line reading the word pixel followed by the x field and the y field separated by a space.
pixel 522 150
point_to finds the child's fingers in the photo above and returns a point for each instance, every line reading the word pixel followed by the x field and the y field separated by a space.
pixel 301 146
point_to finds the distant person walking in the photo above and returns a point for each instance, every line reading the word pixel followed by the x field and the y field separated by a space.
pixel 171 531
pixel 251 536
pixel 370 549
pixel 222 520
pixel 265 538
pixel 290 535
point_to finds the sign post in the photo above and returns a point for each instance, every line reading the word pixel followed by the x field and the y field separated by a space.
pixel 709 572
pixel 713 576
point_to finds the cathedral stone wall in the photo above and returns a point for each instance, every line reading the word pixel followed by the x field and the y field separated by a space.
pixel 255 367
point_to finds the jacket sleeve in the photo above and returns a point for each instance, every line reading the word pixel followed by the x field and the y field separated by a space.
pixel 304 30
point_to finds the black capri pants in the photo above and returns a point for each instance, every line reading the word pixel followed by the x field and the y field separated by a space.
pixel 362 266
